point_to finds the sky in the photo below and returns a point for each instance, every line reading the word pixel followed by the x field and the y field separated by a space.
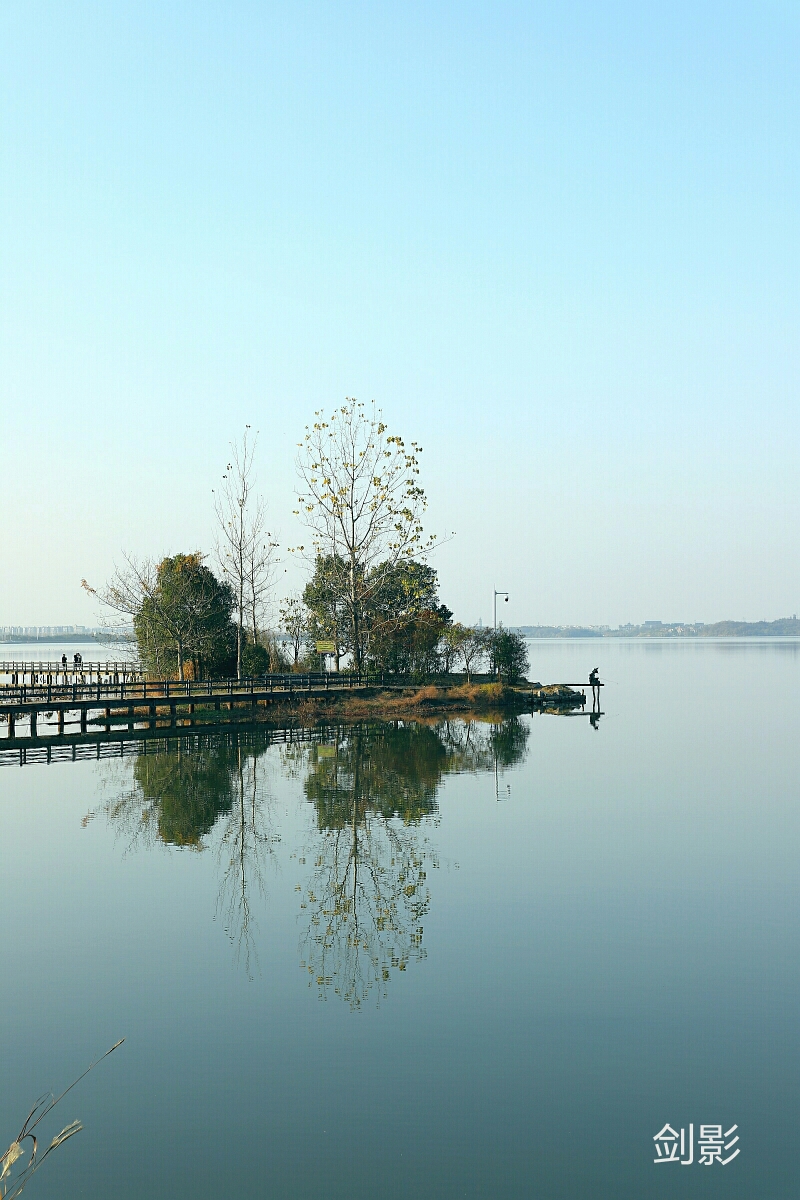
pixel 556 243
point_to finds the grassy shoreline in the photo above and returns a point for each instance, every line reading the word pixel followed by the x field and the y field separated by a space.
pixel 378 703
pixel 429 700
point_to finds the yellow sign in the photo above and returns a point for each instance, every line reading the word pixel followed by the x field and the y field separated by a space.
pixel 326 647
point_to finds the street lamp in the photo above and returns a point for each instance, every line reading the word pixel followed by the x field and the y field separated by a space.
pixel 495 604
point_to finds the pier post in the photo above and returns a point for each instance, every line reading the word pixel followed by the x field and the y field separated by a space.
pixel 152 716
pixel 33 723
pixel 61 720
pixel 83 720
pixel 11 724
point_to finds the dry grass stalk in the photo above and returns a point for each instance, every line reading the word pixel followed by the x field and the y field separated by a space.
pixel 13 1185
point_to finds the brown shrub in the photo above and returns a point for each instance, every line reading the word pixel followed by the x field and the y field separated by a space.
pixel 479 693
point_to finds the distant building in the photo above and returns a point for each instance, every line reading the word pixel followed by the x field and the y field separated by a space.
pixel 45 631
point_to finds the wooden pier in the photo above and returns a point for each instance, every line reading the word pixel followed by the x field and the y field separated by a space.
pixel 116 694
pixel 139 701
pixel 18 672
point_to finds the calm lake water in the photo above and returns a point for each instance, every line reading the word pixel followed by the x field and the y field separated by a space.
pixel 430 961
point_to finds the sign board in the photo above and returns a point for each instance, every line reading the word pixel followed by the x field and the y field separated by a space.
pixel 326 647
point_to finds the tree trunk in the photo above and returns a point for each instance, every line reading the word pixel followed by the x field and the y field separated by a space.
pixel 239 628
pixel 354 616
pixel 255 627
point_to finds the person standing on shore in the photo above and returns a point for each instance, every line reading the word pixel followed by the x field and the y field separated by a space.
pixel 594 680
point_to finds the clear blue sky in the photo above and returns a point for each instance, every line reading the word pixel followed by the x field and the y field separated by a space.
pixel 558 243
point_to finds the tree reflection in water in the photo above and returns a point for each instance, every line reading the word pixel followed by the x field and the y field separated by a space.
pixel 176 794
pixel 179 794
pixel 373 786
pixel 246 846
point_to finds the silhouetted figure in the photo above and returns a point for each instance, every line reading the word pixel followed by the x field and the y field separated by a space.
pixel 594 681
pixel 63 662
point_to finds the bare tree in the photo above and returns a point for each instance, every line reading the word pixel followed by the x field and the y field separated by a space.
pixel 133 586
pixel 260 569
pixel 244 547
pixel 296 624
pixel 362 501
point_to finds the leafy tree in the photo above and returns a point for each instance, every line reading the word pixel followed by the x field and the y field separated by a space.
pixel 362 501
pixel 186 616
pixel 322 598
pixel 410 645
pixel 180 611
pixel 402 589
pixel 508 654
pixel 255 658
pixel 405 620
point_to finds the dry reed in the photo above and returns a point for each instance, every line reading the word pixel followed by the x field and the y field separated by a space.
pixel 12 1185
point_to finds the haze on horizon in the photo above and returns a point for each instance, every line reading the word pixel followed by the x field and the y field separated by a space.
pixel 558 245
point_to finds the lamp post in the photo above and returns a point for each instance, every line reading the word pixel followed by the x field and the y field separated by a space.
pixel 496 594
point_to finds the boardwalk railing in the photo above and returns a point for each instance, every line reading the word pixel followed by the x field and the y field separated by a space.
pixel 57 691
pixel 18 672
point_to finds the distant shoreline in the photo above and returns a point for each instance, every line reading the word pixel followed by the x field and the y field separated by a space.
pixel 785 627
pixel 55 639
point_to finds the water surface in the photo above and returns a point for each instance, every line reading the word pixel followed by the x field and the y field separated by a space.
pixel 481 960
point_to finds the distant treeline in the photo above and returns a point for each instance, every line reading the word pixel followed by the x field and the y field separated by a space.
pixel 784 627
pixel 558 631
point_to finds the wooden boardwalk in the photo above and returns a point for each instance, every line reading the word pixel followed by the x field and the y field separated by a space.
pixel 126 698
pixel 21 671
pixel 146 701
